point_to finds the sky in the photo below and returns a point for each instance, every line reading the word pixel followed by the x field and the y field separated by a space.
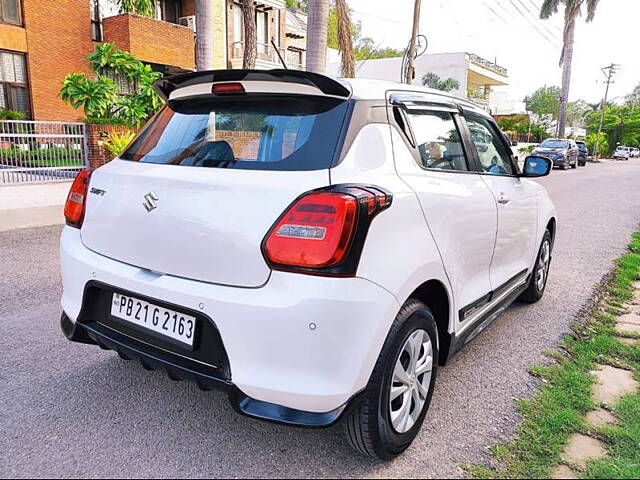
pixel 510 32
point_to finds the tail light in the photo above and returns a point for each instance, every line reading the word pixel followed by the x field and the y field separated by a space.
pixel 323 231
pixel 77 198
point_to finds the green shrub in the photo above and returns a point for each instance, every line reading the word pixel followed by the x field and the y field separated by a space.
pixel 10 115
pixel 118 142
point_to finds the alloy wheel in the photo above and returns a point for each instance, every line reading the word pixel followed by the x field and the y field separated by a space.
pixel 543 265
pixel 410 381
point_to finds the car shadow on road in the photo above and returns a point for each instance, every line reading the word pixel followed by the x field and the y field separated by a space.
pixel 112 410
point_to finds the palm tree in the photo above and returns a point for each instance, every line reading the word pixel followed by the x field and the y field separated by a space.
pixel 204 36
pixel 250 39
pixel 345 40
pixel 572 10
pixel 318 14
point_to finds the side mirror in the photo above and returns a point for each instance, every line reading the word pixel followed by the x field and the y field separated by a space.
pixel 536 166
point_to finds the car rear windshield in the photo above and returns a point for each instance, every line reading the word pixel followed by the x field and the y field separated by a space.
pixel 254 133
pixel 555 144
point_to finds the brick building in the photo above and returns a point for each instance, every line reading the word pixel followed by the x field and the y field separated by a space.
pixel 41 41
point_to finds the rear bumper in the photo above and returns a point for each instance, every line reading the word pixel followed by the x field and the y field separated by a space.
pixel 297 350
pixel 243 404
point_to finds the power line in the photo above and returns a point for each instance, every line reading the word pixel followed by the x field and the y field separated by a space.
pixel 386 19
pixel 531 23
pixel 494 12
pixel 542 34
pixel 538 8
pixel 537 18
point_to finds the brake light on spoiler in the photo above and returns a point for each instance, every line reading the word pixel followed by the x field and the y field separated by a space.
pixel 323 231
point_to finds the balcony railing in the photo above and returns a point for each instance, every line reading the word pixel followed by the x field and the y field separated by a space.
pixel 265 53
pixel 494 67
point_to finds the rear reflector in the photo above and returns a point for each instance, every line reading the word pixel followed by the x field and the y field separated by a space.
pixel 324 230
pixel 222 88
pixel 76 200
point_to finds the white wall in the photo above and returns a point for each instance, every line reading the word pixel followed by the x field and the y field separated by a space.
pixel 444 65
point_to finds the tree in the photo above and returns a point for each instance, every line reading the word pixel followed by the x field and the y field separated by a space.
pixel 318 14
pixel 577 112
pixel 364 48
pixel 139 7
pixel 544 103
pixel 590 142
pixel 572 10
pixel 250 38
pixel 345 40
pixel 300 4
pixel 621 124
pixel 204 35
pixel 100 97
pixel 633 98
pixel 432 80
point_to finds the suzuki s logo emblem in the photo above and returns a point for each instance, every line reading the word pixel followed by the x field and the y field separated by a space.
pixel 150 201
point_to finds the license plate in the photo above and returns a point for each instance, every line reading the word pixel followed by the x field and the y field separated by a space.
pixel 169 323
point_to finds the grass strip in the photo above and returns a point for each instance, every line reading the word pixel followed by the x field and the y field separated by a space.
pixel 558 410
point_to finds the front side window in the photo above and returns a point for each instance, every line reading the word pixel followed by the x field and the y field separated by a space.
pixel 300 133
pixel 14 90
pixel 10 12
pixel 438 140
pixel 492 152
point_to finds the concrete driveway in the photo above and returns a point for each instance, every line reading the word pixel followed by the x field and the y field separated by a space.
pixel 74 410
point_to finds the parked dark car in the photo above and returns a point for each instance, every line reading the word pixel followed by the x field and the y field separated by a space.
pixel 563 152
pixel 583 153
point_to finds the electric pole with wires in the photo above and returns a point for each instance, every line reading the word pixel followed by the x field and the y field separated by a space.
pixel 411 54
pixel 608 72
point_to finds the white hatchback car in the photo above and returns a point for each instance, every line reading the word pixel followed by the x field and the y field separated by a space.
pixel 315 247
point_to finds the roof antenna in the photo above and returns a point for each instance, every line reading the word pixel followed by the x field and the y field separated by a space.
pixel 279 56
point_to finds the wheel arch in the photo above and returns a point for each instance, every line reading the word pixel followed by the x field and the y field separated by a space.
pixel 551 226
pixel 434 295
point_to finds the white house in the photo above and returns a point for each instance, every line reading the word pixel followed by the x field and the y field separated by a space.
pixel 474 74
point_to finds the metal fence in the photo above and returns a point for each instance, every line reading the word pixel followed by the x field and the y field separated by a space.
pixel 34 152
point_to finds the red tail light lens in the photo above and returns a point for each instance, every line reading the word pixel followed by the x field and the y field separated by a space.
pixel 315 232
pixel 224 88
pixel 76 200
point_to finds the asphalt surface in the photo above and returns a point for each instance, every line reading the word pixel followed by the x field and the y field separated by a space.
pixel 75 410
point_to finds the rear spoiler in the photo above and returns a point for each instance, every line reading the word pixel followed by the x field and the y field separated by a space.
pixel 323 84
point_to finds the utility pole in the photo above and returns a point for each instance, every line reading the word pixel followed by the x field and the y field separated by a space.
pixel 411 54
pixel 608 72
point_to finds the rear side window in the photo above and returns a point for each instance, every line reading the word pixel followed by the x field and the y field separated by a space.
pixel 264 133
pixel 438 140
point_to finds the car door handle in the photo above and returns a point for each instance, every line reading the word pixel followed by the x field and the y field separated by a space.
pixel 503 200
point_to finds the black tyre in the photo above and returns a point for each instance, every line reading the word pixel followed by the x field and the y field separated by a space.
pixel 397 397
pixel 540 274
pixel 575 165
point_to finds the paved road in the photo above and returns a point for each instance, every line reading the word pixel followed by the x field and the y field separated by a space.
pixel 74 410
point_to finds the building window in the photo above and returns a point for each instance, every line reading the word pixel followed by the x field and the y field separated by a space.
pixel 10 12
pixel 294 59
pixel 262 32
pixel 168 10
pixel 237 23
pixel 14 88
pixel 96 22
